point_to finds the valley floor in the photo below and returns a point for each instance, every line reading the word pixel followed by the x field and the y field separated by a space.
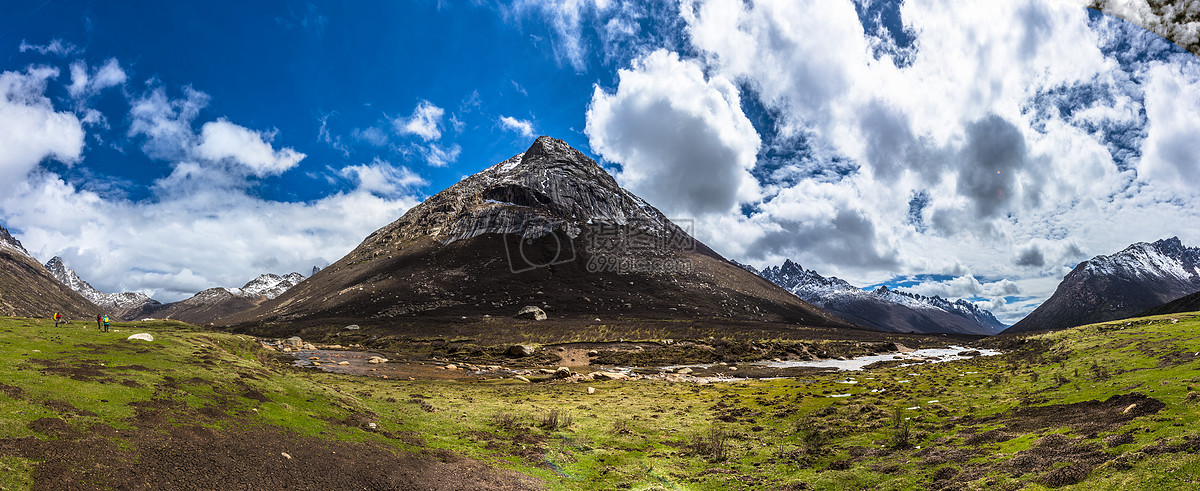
pixel 1109 406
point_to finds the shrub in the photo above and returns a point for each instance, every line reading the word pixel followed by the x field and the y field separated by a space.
pixel 714 444
pixel 555 420
pixel 900 433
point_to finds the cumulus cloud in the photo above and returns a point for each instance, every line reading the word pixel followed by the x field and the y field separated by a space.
pixel 680 136
pixel 425 122
pixel 1031 257
pixel 188 239
pixel 1171 156
pixel 221 140
pixel 383 178
pixel 166 123
pixel 31 130
pixel 520 126
pixel 84 84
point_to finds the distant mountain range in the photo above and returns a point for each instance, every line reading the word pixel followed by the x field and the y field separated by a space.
pixel 205 307
pixel 1144 276
pixel 883 309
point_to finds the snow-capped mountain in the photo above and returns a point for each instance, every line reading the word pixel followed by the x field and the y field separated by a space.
pixel 267 285
pixel 7 241
pixel 119 305
pixel 1144 275
pixel 213 304
pixel 883 309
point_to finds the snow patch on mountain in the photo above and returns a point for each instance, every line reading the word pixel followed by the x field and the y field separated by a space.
pixel 7 241
pixel 842 298
pixel 1166 259
pixel 267 285
pixel 115 302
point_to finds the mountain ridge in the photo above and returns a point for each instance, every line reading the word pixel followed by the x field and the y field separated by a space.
pixel 1142 276
pixel 883 309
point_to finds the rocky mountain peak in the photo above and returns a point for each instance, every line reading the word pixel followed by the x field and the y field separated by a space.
pixel 549 187
pixel 7 241
pixel 268 285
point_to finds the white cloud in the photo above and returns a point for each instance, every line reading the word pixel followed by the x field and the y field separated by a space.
pixel 30 129
pixel 566 18
pixel 190 238
pixel 221 140
pixel 521 126
pixel 54 47
pixel 681 138
pixel 372 135
pixel 425 122
pixel 439 156
pixel 166 123
pixel 382 178
pixel 83 85
pixel 1171 151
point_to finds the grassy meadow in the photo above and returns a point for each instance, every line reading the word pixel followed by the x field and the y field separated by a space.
pixel 1106 406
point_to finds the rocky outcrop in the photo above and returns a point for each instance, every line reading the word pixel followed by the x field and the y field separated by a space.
pixel 532 313
pixel 124 306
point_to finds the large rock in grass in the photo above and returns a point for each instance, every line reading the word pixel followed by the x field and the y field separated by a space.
pixel 520 351
pixel 531 312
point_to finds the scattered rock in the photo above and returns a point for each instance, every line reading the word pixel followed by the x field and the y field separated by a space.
pixel 377 360
pixel 609 376
pixel 142 336
pixel 352 327
pixel 903 349
pixel 1129 408
pixel 593 353
pixel 309 346
pixel 451 367
pixel 591 390
pixel 285 455
pixel 562 372
pixel 520 351
pixel 292 342
pixel 314 358
pixel 523 379
pixel 684 371
pixel 343 363
pixel 531 312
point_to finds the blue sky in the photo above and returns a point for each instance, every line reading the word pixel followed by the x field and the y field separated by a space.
pixel 962 149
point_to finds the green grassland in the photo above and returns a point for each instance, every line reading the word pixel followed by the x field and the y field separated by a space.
pixel 1106 406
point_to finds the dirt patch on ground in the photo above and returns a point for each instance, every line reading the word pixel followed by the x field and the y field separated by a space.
pixel 248 457
pixel 1084 417
pixel 75 369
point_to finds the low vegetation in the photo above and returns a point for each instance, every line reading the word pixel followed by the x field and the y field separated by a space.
pixel 1106 406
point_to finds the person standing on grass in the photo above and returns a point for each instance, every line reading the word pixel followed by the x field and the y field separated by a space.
pixel 99 327
pixel 106 323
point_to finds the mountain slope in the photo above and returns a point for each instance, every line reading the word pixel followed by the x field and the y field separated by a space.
pixel 1143 276
pixel 547 227
pixel 124 306
pixel 214 304
pixel 27 289
pixel 883 309
pixel 1190 303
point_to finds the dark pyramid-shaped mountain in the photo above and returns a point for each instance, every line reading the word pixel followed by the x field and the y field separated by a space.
pixel 27 289
pixel 548 228
pixel 1143 276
